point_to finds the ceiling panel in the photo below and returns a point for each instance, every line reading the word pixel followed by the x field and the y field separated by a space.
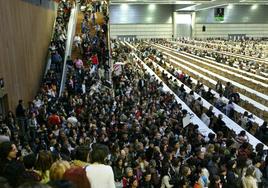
pixel 193 5
pixel 161 1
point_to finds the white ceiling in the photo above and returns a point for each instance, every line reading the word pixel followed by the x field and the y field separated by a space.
pixel 192 5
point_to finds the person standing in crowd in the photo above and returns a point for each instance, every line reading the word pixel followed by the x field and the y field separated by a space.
pixel 43 164
pixel 95 63
pixel 233 180
pixel 257 162
pixel 10 167
pixel 77 175
pixel 21 118
pixel 56 59
pixel 249 181
pixel 99 174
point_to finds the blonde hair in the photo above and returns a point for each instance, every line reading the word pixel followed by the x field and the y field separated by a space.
pixel 58 169
pixel 211 148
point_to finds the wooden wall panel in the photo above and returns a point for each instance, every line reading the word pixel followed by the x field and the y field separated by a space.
pixel 25 34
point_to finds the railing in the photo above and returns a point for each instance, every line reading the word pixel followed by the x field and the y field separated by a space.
pixel 48 55
pixel 69 42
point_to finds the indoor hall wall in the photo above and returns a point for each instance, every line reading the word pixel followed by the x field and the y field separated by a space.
pixel 25 36
pixel 222 30
pixel 141 20
pixel 141 30
pixel 238 19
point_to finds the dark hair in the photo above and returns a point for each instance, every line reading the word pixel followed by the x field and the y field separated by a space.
pixel 82 153
pixel 259 147
pixel 242 133
pixel 34 185
pixel 44 161
pixel 117 161
pixel 13 172
pixel 195 177
pixel 257 160
pixel 5 148
pixel 61 184
pixel 215 178
pixel 215 158
pixel 99 153
pixel 131 181
pixel 29 160
pixel 184 170
pixel 4 183
pixel 250 171
pixel 230 164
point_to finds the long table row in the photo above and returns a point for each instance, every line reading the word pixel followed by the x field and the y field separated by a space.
pixel 255 103
pixel 258 60
pixel 229 123
pixel 251 75
pixel 237 108
pixel 259 85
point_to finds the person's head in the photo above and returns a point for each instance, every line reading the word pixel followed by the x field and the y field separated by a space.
pixel 211 136
pixel 58 169
pixel 194 179
pixel 133 182
pixel 99 153
pixel 223 171
pixel 8 151
pixel 44 161
pixel 34 185
pixel 82 153
pixel 259 147
pixel 29 161
pixel 185 171
pixel 216 158
pixel 129 172
pixel 245 113
pixel 147 176
pixel 231 165
pixel 242 133
pixel 119 162
pixel 61 184
pixel 210 148
pixel 257 161
pixel 201 155
pixel 216 179
pixel 78 176
pixel 250 171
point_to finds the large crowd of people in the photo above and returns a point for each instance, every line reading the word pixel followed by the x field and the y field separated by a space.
pixel 129 135
pixel 260 112
pixel 250 47
pixel 205 50
pixel 224 105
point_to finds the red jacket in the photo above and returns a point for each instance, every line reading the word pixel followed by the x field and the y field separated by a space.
pixel 94 60
pixel 54 119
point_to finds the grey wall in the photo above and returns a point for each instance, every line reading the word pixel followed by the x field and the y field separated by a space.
pixel 141 21
pixel 238 19
pixel 183 30
pixel 236 14
pixel 140 14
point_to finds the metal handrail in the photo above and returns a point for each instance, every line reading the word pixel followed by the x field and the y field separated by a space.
pixel 69 42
